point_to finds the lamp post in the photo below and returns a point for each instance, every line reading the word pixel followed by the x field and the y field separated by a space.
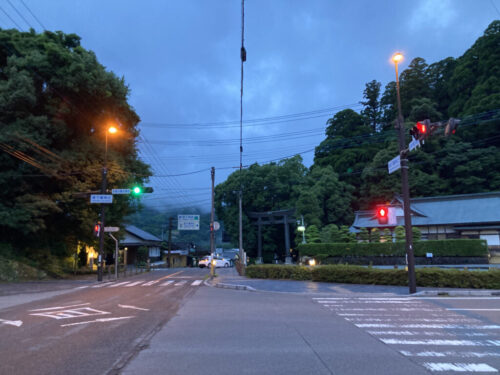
pixel 111 130
pixel 403 152
pixel 302 228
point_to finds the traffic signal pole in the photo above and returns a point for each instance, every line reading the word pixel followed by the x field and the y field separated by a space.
pixel 212 232
pixel 103 224
pixel 403 152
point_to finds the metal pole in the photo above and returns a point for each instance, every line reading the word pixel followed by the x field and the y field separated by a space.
pixel 243 56
pixel 116 256
pixel 304 231
pixel 169 241
pixel 103 213
pixel 403 152
pixel 212 232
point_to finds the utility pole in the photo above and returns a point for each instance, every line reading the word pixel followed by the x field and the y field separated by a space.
pixel 212 232
pixel 103 213
pixel 169 240
pixel 403 152
pixel 243 56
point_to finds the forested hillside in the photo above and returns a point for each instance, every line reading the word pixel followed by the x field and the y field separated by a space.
pixel 350 165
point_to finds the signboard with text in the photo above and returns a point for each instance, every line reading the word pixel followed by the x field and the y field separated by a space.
pixel 188 222
pixel 394 164
pixel 101 198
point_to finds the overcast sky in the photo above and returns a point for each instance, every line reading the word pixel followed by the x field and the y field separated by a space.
pixel 181 61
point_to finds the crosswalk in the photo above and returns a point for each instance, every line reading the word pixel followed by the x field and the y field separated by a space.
pixel 145 283
pixel 439 339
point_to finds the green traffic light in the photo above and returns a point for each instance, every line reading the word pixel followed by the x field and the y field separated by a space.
pixel 137 190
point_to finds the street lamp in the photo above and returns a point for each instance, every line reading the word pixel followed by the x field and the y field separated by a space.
pixel 403 152
pixel 111 130
pixel 302 228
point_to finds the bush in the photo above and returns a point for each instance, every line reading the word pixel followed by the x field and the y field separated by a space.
pixel 276 271
pixel 426 277
pixel 438 248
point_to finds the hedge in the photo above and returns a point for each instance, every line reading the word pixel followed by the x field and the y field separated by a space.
pixel 450 248
pixel 426 277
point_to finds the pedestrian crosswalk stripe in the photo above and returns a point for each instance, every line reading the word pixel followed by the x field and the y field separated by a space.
pixel 442 342
pixel 149 283
pixel 101 285
pixel 167 283
pixel 459 367
pixel 114 285
pixel 181 283
pixel 196 282
pixel 135 283
pixel 450 354
pixel 431 326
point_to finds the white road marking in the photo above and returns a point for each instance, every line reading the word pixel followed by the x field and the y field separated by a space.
pixel 17 323
pixel 196 282
pixel 442 342
pixel 118 284
pixel 132 307
pixel 60 307
pixel 134 283
pixel 426 333
pixel 180 283
pixel 101 320
pixel 436 326
pixel 149 283
pixel 101 285
pixel 71 313
pixel 82 287
pixel 473 309
pixel 459 367
pixel 451 354
pixel 167 283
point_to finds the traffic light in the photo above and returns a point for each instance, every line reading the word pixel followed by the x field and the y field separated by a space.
pixel 138 190
pixel 97 229
pixel 382 214
pixel 451 126
pixel 421 130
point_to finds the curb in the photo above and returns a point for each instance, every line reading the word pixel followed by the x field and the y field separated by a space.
pixel 458 293
pixel 229 286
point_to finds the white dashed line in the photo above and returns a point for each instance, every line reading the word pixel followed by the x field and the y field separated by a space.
pixel 134 283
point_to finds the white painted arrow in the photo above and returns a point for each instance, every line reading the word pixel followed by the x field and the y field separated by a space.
pixel 17 323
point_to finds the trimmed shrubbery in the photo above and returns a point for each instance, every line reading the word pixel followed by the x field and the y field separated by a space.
pixel 445 248
pixel 428 277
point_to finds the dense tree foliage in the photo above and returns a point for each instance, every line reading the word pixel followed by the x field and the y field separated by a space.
pixel 350 164
pixel 56 102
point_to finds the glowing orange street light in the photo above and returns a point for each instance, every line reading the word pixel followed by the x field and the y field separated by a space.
pixel 397 57
pixel 112 130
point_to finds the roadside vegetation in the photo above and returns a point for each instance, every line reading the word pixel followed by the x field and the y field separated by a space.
pixel 426 277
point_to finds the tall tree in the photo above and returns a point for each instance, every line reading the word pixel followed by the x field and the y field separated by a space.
pixel 372 111
pixel 55 102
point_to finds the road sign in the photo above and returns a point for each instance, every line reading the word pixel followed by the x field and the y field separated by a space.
pixel 216 225
pixel 120 191
pixel 394 164
pixel 188 222
pixel 414 144
pixel 111 229
pixel 101 198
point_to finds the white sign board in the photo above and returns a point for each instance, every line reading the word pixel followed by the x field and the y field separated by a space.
pixel 120 191
pixel 394 164
pixel 111 229
pixel 414 144
pixel 101 198
pixel 188 222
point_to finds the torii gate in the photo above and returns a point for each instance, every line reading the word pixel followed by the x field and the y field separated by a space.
pixel 285 217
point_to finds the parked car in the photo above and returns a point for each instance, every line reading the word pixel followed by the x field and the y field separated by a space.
pixel 219 262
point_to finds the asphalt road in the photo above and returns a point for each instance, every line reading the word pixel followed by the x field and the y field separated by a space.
pixel 90 328
pixel 244 332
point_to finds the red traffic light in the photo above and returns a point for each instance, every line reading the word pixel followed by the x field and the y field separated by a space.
pixel 382 214
pixel 97 229
pixel 422 128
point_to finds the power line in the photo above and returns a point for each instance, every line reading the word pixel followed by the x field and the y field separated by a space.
pixel 19 14
pixel 14 22
pixel 35 17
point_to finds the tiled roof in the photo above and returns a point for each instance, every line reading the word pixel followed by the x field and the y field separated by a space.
pixel 482 208
pixel 146 236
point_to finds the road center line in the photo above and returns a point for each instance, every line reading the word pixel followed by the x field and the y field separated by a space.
pixel 132 307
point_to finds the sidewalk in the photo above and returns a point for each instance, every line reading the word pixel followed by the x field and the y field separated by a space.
pixel 229 278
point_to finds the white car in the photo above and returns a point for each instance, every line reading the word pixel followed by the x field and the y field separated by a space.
pixel 219 262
